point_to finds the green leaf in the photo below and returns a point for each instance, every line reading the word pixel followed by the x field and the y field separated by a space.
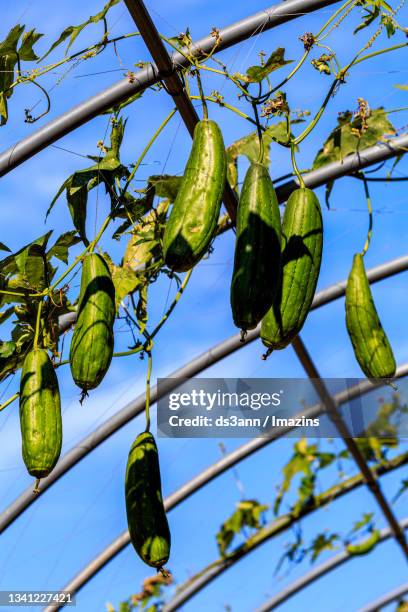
pixel 403 488
pixel 255 74
pixel 107 169
pixel 165 185
pixel 183 40
pixel 403 87
pixel 72 32
pixel 305 492
pixel 248 514
pixel 346 138
pixel 3 247
pixel 388 22
pixel 3 109
pixel 132 211
pixel 141 311
pixel 248 146
pixel 10 55
pixel 77 197
pixel 26 51
pixel 62 245
pixel 7 349
pixel 321 543
pixel 300 462
pixel 116 109
pixel 325 459
pixel 366 519
pixel 144 247
pixel 30 262
pixel 124 279
pixel 8 60
pixel 370 16
pixel 24 270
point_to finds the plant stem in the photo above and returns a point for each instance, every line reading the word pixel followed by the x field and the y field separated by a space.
pixel 349 3
pixel 202 96
pixel 146 149
pixel 397 110
pixel 9 401
pixel 37 325
pixel 295 168
pixel 292 73
pixel 375 53
pixel 319 113
pixel 13 293
pixel 172 305
pixel 228 106
pixel 148 377
pixel 130 352
pixel 259 132
pixel 340 76
pixel 370 215
pixel 108 219
pixel 89 249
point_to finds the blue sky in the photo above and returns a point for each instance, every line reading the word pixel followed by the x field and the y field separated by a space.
pixel 84 511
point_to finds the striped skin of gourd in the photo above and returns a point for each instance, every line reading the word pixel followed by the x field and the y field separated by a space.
pixel 93 339
pixel 302 245
pixel 194 216
pixel 370 343
pixel 40 414
pixel 146 516
pixel 257 249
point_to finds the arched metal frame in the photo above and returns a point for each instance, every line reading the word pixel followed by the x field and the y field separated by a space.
pixel 194 367
pixel 386 599
pixel 77 116
pixel 326 567
pixel 208 475
pixel 83 113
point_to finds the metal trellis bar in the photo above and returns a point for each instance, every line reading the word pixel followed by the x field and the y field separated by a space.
pixel 389 597
pixel 213 571
pixel 218 468
pixel 350 164
pixel 168 73
pixel 330 404
pixel 231 35
pixel 319 572
pixel 137 406
pixel 317 178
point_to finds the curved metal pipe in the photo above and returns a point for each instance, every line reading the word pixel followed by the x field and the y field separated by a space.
pixel 384 600
pixel 218 468
pixel 131 410
pixel 123 89
pixel 318 572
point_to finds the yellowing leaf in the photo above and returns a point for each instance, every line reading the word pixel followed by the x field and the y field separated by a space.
pixel 347 138
pixel 248 146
